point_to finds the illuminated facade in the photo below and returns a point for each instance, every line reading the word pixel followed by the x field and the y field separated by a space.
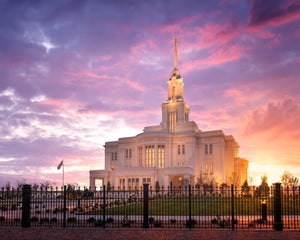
pixel 174 151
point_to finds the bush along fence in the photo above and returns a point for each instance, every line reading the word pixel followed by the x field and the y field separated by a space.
pixel 184 207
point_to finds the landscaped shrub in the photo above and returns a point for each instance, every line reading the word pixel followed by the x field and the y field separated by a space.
pixel 38 212
pixel 53 220
pixel 47 211
pixel 223 222
pixel 110 220
pixel 190 223
pixel 56 210
pixel 125 221
pixel 91 220
pixel 71 220
pixel 2 219
pixel 17 220
pixel 151 220
pixel 99 223
pixel 44 220
pixel 157 223
pixel 173 221
pixel 34 219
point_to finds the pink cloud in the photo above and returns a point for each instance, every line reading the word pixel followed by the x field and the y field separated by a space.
pixel 282 117
pixel 219 56
pixel 106 57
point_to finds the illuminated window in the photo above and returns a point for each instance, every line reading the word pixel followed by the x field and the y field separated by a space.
pixel 172 118
pixel 149 156
pixel 161 156
pixel 140 156
pixel 210 148
pixel 178 149
pixel 206 169
pixel 211 169
pixel 122 183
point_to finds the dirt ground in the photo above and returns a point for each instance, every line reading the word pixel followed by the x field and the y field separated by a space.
pixel 151 234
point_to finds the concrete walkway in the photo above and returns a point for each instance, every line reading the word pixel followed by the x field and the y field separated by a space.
pixel 150 234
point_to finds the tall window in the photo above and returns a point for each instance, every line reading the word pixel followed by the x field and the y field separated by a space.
pixel 149 156
pixel 140 156
pixel 180 149
pixel 122 183
pixel 161 156
pixel 172 118
pixel 206 168
pixel 147 180
pixel 128 153
pixel 206 149
pixel 113 160
pixel 210 148
pixel 211 169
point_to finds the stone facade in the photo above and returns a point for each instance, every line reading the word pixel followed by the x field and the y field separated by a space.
pixel 174 151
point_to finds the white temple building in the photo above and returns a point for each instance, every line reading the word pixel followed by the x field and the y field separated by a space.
pixel 174 151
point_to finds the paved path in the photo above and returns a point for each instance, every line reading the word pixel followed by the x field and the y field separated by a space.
pixel 151 234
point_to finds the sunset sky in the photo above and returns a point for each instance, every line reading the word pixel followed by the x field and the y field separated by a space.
pixel 75 74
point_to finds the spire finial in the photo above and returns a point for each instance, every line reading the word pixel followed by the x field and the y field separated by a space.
pixel 175 57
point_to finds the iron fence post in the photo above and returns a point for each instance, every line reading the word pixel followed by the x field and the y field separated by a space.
pixel 65 206
pixel 104 203
pixel 146 205
pixel 232 207
pixel 277 208
pixel 190 208
pixel 26 205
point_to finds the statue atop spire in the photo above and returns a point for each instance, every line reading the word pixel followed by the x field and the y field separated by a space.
pixel 175 55
pixel 175 88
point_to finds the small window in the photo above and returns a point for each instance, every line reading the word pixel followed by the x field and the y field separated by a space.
pixel 178 149
pixel 210 148
pixel 206 149
pixel 126 153
pixel 129 153
pixel 183 149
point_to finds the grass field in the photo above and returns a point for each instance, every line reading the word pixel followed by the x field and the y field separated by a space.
pixel 200 206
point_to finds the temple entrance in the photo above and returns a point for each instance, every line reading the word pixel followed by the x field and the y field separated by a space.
pixel 177 181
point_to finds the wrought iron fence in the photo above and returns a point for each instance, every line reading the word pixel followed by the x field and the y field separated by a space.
pixel 184 207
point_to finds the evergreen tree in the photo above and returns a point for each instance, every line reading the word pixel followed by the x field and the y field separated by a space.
pixel 263 189
pixel 245 189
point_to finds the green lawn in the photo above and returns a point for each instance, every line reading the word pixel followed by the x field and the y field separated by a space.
pixel 200 206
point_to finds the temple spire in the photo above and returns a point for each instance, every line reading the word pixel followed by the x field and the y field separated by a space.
pixel 175 55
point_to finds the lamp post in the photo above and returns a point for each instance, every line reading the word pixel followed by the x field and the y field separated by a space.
pixel 264 209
